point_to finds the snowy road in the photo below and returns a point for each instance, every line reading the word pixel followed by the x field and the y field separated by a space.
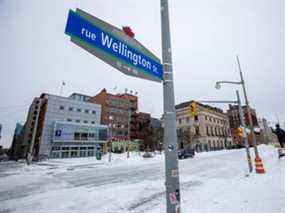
pixel 210 182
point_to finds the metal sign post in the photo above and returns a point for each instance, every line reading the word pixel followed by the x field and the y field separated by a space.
pixel 127 55
pixel 170 135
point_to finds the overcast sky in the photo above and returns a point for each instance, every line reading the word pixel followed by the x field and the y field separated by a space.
pixel 36 55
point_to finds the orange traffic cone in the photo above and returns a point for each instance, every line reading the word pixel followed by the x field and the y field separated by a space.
pixel 259 166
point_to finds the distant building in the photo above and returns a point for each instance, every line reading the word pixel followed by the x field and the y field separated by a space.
pixel 157 133
pixel 209 130
pixel 18 149
pixel 266 133
pixel 0 131
pixel 141 129
pixel 64 127
pixel 79 97
pixel 116 111
pixel 235 122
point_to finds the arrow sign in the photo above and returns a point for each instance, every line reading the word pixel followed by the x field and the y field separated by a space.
pixel 113 46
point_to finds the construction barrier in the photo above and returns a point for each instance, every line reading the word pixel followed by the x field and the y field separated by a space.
pixel 259 166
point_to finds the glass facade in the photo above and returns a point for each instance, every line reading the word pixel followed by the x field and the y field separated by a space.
pixel 72 140
pixel 65 132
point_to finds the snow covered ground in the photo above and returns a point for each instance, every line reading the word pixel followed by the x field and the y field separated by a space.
pixel 210 182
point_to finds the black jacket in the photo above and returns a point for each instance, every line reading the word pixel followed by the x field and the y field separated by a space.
pixel 280 134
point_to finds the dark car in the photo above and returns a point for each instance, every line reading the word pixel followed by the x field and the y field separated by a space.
pixel 186 153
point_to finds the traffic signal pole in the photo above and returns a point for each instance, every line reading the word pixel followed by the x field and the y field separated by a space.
pixel 258 161
pixel 170 134
pixel 248 110
pixel 244 133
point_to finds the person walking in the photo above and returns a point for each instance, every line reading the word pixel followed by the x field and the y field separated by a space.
pixel 280 135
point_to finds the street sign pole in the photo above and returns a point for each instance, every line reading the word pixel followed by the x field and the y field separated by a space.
pixel 245 134
pixel 170 135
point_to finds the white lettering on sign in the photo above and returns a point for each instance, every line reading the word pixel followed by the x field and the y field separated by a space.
pixel 88 34
pixel 123 50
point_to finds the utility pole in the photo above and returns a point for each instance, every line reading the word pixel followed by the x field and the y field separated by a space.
pixel 129 135
pixel 245 137
pixel 170 134
pixel 258 160
pixel 110 144
pixel 31 148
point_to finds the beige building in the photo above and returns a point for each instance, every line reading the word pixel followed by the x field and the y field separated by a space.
pixel 207 131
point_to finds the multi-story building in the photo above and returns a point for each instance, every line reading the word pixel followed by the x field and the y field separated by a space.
pixel 17 148
pixel 235 122
pixel 116 111
pixel 141 129
pixel 0 131
pixel 64 127
pixel 265 131
pixel 207 131
pixel 79 97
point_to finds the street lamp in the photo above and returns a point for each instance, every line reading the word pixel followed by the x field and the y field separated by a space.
pixel 242 82
pixel 111 131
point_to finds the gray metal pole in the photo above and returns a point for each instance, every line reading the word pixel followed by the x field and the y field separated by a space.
pixel 129 136
pixel 110 145
pixel 245 135
pixel 248 110
pixel 170 134
pixel 31 148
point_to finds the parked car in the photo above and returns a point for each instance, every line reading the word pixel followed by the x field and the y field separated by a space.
pixel 186 153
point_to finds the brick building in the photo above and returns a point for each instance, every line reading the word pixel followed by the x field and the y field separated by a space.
pixel 141 129
pixel 116 111
pixel 235 122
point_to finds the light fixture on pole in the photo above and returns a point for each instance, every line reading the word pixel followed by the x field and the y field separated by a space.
pixel 258 161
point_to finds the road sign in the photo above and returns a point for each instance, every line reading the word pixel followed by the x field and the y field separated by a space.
pixel 113 46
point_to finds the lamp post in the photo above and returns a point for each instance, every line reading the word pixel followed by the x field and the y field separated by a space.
pixel 111 131
pixel 242 82
pixel 129 133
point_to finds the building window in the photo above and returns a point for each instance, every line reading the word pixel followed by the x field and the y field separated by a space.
pixel 208 133
pixel 84 136
pixel 61 107
pixel 91 135
pixel 94 112
pixel 86 122
pixel 77 136
pixel 93 122
pixel 78 110
pixel 70 108
pixel 69 120
pixel 179 120
pixel 86 111
pixel 77 121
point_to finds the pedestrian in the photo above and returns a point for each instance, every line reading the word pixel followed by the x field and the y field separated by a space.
pixel 280 135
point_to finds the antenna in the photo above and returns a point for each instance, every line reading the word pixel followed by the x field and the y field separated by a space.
pixel 278 122
pixel 61 88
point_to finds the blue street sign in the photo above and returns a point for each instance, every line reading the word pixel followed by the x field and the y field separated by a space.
pixel 116 49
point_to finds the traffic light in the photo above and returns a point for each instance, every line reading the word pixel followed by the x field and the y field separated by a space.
pixel 240 132
pixel 193 109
